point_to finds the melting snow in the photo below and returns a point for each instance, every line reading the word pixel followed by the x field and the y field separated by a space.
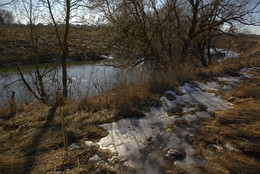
pixel 128 137
pixel 195 95
pixel 74 146
pixel 144 141
pixel 90 143
pixel 209 86
pixel 231 148
pixel 245 72
pixel 230 80
pixel 94 158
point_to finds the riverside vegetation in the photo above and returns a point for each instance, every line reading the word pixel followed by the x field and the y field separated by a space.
pixel 177 44
pixel 35 137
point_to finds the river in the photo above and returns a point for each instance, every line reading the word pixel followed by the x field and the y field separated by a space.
pixel 84 78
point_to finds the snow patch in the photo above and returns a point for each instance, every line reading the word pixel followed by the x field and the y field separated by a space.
pixel 208 86
pixel 142 140
pixel 90 143
pixel 231 148
pixel 94 158
pixel 190 118
pixel 74 146
pixel 230 80
pixel 196 96
pixel 186 109
pixel 245 72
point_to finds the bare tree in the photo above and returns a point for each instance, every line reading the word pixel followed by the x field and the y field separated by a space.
pixel 145 27
pixel 32 34
pixel 166 31
pixel 6 2
pixel 59 14
pixel 6 17
pixel 63 35
pixel 208 18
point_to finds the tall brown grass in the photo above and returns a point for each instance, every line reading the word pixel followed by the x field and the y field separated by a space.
pixel 82 120
pixel 238 126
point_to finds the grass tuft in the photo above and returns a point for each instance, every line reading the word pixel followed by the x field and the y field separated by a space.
pixel 238 126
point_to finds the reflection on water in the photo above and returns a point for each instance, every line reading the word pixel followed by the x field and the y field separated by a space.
pixel 83 79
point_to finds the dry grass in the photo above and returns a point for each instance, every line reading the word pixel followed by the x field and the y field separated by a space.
pixel 5 112
pixel 11 163
pixel 35 132
pixel 230 162
pixel 248 58
pixel 240 127
pixel 135 97
pixel 176 111
pixel 16 44
pixel 31 139
pixel 250 89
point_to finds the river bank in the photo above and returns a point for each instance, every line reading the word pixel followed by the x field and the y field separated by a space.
pixel 85 78
pixel 107 132
pixel 17 48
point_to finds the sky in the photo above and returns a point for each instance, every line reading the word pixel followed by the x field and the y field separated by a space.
pixel 253 29
pixel 243 28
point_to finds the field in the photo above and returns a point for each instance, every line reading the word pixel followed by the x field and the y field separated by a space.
pixel 17 47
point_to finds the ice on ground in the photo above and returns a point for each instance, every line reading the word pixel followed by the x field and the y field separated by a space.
pixel 174 94
pixel 213 86
pixel 230 147
pixel 74 146
pixel 246 69
pixel 187 88
pixel 94 158
pixel 188 162
pixel 208 86
pixel 245 72
pixel 186 109
pixel 230 80
pixel 247 75
pixel 203 114
pixel 143 141
pixel 90 143
pixel 190 118
pixel 195 95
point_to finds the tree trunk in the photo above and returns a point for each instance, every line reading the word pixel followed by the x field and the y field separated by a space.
pixel 65 51
pixel 184 51
pixel 192 29
pixel 203 61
